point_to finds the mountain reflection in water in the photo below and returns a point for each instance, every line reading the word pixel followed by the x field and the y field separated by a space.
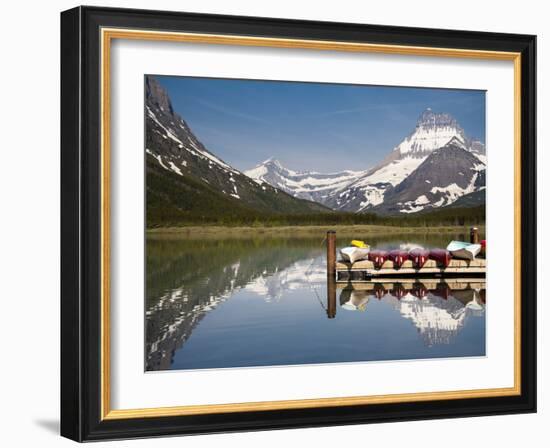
pixel 260 302
pixel 438 313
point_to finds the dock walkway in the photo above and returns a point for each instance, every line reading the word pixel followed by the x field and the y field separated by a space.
pixel 364 270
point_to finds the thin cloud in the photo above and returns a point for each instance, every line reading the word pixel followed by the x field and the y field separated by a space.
pixel 354 110
pixel 390 108
pixel 231 112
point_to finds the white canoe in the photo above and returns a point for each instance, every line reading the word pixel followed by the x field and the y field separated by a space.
pixel 355 301
pixel 353 254
pixel 465 251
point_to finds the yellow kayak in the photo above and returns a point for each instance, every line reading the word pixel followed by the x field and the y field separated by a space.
pixel 359 243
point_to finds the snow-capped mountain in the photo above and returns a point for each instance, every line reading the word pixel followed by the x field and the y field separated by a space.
pixel 385 188
pixel 433 131
pixel 310 185
pixel 446 175
pixel 187 181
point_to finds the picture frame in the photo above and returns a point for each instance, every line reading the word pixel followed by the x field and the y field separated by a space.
pixel 86 210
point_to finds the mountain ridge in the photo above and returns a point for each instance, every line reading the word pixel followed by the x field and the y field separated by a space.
pixel 310 185
pixel 187 181
pixel 364 191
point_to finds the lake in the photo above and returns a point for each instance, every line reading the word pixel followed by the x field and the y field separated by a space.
pixel 244 301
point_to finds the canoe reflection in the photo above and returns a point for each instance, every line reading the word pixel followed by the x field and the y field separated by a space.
pixel 354 300
pixel 438 310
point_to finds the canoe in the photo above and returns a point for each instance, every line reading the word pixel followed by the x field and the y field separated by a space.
pixel 465 251
pixel 378 257
pixel 398 291
pixel 483 247
pixel 441 256
pixel 359 243
pixel 398 257
pixel 474 305
pixel 442 291
pixel 419 291
pixel 354 300
pixel 353 254
pixel 419 257
pixel 379 291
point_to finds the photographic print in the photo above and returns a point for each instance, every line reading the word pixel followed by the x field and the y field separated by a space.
pixel 299 208
pixel 292 223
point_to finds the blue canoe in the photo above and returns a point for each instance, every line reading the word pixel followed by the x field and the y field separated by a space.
pixel 463 250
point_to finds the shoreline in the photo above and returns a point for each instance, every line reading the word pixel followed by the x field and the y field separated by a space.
pixel 347 230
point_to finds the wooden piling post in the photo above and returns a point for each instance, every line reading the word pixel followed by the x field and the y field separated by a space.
pixel 331 253
pixel 474 235
pixel 331 296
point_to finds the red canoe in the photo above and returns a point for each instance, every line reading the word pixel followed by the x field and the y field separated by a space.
pixel 398 257
pixel 443 291
pixel 379 291
pixel 483 247
pixel 378 257
pixel 419 291
pixel 398 291
pixel 419 257
pixel 441 256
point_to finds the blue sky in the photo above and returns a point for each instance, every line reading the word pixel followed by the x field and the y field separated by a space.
pixel 311 126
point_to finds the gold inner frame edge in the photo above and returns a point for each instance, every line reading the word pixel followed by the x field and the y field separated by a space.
pixel 107 35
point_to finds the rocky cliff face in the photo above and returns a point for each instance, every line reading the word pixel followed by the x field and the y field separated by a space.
pixel 447 174
pixel 184 178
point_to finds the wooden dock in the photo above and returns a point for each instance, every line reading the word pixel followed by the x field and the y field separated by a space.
pixel 389 283
pixel 364 270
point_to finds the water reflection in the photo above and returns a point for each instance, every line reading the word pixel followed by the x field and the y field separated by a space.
pixel 354 299
pixel 202 293
pixel 438 310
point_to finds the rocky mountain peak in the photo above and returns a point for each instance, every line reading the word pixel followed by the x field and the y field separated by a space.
pixel 430 120
pixel 433 131
pixel 272 163
pixel 157 96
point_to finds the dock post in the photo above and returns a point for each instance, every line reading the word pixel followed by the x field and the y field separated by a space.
pixel 331 253
pixel 331 274
pixel 474 235
pixel 331 297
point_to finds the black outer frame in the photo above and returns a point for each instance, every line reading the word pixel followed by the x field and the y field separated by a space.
pixel 80 223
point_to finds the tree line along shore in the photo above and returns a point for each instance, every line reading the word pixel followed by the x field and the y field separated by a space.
pixel 447 217
pixel 353 231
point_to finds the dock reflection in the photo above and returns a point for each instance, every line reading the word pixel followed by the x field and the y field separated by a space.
pixel 438 309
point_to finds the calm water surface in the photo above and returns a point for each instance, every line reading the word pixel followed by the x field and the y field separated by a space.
pixel 234 302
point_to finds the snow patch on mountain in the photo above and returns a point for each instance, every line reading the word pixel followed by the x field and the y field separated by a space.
pixel 452 192
pixel 310 185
